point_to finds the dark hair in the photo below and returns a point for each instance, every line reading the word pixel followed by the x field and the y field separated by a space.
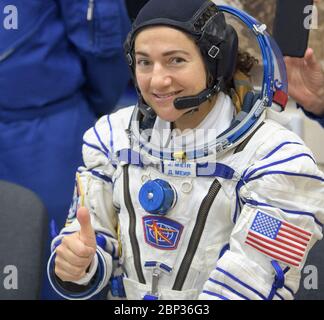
pixel 245 62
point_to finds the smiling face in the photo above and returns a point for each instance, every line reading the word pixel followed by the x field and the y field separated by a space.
pixel 169 65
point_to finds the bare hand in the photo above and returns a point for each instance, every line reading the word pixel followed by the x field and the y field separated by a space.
pixel 306 82
pixel 75 253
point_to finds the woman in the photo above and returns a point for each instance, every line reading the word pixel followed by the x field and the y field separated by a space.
pixel 174 215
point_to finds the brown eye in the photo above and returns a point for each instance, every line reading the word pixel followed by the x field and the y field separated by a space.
pixel 177 60
pixel 143 62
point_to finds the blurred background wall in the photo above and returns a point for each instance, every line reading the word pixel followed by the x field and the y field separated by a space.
pixel 310 131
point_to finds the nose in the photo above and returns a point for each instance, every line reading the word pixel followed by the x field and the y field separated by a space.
pixel 160 77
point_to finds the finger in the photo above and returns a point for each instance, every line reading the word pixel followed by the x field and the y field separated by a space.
pixel 66 254
pixel 310 58
pixel 87 233
pixel 64 275
pixel 287 59
pixel 293 64
pixel 77 247
pixel 66 266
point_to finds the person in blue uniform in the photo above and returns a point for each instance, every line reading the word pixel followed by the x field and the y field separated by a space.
pixel 61 66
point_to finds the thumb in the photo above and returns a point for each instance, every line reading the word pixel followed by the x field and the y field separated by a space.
pixel 310 58
pixel 87 234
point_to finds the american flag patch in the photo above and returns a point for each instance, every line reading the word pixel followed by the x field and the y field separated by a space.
pixel 278 239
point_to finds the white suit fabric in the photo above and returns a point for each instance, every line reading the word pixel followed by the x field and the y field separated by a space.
pixel 226 236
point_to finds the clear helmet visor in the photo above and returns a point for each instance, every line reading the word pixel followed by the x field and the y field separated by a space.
pixel 268 75
pixel 262 84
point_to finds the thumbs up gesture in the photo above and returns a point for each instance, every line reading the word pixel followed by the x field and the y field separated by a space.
pixel 75 253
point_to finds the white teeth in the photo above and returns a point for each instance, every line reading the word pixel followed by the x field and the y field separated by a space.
pixel 166 95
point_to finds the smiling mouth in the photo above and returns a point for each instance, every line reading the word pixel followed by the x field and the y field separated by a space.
pixel 166 95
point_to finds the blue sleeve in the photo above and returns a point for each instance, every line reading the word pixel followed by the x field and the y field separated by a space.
pixel 321 121
pixel 312 116
pixel 97 30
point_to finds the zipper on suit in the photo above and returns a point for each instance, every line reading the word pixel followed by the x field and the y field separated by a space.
pixel 132 226
pixel 196 234
pixel 200 223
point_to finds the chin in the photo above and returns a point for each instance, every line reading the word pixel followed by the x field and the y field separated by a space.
pixel 166 112
pixel 168 116
pixel 165 117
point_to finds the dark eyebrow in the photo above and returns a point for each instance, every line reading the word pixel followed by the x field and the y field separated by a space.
pixel 169 53
pixel 141 53
pixel 165 54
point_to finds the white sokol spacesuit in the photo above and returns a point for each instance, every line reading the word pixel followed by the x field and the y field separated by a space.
pixel 233 221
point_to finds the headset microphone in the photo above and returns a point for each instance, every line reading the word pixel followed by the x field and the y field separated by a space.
pixel 195 101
